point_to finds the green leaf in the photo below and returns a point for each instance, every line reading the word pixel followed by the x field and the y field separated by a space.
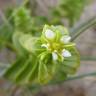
pixel 71 63
pixel 68 67
pixel 58 78
pixel 43 75
pixel 23 71
pixel 5 35
pixel 70 9
pixel 27 75
pixel 32 77
pixel 46 68
pixel 23 20
pixel 16 36
pixel 11 72
pixel 29 43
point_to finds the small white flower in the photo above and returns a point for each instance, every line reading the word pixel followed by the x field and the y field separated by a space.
pixel 65 39
pixel 54 56
pixel 49 34
pixel 66 53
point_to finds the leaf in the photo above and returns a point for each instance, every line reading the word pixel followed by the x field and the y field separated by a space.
pixel 17 45
pixel 68 67
pixel 29 43
pixel 58 78
pixel 46 68
pixel 43 75
pixel 22 19
pixel 21 74
pixel 5 35
pixel 22 71
pixel 10 72
pixel 33 74
pixel 24 75
pixel 70 9
pixel 71 63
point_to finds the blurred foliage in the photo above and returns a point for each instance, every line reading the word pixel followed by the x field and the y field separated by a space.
pixel 69 9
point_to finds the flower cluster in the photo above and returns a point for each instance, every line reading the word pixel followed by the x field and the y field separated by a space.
pixel 56 42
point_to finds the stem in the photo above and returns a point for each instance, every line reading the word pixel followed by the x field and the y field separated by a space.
pixel 88 58
pixel 81 76
pixel 77 30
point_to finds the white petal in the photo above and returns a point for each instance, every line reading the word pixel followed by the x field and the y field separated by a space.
pixel 44 45
pixel 49 34
pixel 55 56
pixel 65 39
pixel 66 53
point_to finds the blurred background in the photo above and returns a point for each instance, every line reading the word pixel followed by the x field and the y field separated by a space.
pixel 86 44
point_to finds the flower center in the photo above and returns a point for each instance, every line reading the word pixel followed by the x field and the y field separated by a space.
pixel 53 47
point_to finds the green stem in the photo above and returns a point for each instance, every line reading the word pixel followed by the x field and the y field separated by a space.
pixel 81 76
pixel 88 58
pixel 76 31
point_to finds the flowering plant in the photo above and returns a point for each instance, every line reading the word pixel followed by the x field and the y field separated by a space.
pixel 47 55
